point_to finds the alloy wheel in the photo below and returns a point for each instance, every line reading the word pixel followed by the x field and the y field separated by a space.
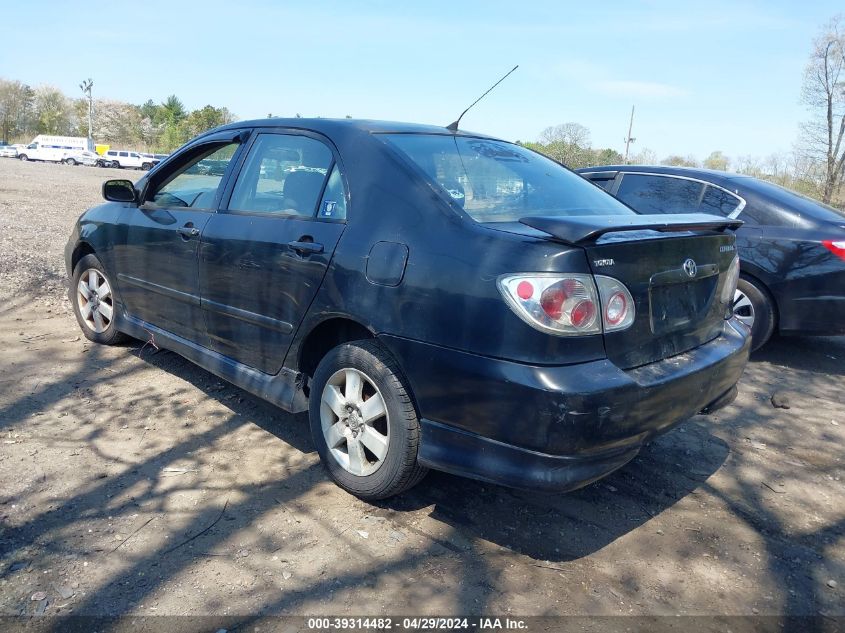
pixel 743 308
pixel 95 301
pixel 355 422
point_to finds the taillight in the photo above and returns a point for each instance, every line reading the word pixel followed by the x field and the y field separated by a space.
pixel 836 247
pixel 569 304
pixel 618 310
pixel 563 304
pixel 729 289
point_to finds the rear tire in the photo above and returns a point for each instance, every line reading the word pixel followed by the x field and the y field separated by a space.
pixel 95 302
pixel 115 164
pixel 70 161
pixel 754 307
pixel 360 404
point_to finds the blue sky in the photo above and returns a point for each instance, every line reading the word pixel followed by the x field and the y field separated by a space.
pixel 703 75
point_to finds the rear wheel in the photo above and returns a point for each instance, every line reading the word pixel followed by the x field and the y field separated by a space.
pixel 94 302
pixel 753 307
pixel 364 423
pixel 70 161
pixel 115 164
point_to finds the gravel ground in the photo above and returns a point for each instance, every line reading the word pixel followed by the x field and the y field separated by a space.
pixel 135 482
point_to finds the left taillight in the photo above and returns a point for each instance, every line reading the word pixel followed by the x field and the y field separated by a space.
pixel 837 247
pixel 569 304
pixel 562 304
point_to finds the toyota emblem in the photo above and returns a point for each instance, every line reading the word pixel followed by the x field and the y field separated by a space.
pixel 690 268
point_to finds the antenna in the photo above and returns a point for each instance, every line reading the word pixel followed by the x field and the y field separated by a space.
pixel 454 126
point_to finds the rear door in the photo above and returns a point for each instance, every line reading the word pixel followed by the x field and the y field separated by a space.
pixel 264 255
pixel 157 262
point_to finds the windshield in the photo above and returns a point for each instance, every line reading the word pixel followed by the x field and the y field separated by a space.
pixel 495 181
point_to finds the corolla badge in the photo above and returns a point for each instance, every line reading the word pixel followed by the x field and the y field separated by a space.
pixel 690 268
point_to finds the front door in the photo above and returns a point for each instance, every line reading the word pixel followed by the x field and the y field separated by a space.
pixel 264 256
pixel 158 264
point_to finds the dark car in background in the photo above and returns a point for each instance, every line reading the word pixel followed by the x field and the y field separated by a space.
pixel 433 299
pixel 791 248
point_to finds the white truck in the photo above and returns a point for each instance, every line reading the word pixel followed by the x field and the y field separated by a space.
pixel 53 148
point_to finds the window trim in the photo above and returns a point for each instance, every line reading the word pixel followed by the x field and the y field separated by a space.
pixel 177 161
pixel 731 216
pixel 226 197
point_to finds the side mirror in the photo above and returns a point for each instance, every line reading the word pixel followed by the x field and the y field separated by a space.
pixel 119 191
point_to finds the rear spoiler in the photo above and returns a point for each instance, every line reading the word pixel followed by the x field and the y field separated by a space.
pixel 584 229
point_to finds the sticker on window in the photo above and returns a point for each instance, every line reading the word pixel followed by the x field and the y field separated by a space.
pixel 328 210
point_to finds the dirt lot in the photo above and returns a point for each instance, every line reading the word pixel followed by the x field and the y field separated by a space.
pixel 134 482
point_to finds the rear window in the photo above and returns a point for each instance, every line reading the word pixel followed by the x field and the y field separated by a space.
pixel 794 201
pixel 495 181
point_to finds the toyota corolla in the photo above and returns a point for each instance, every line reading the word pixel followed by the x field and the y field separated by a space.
pixel 433 298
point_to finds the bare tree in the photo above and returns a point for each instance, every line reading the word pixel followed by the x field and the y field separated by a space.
pixel 567 143
pixel 824 93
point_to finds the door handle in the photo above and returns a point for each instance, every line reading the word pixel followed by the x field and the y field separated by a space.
pixel 188 232
pixel 306 248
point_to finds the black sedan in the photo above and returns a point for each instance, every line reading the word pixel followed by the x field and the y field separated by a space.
pixel 433 298
pixel 791 248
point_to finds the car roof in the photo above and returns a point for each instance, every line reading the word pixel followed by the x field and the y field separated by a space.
pixel 327 126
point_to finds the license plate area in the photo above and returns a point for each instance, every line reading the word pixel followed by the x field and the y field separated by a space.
pixel 680 305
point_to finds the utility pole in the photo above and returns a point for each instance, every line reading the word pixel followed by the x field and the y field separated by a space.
pixel 85 87
pixel 629 139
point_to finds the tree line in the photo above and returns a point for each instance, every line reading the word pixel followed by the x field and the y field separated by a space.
pixel 153 127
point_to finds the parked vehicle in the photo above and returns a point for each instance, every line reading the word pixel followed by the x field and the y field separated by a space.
pixel 433 299
pixel 53 149
pixel 89 159
pixel 125 158
pixel 8 151
pixel 791 248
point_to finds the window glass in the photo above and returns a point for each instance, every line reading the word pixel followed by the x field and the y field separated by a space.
pixel 660 194
pixel 495 181
pixel 718 201
pixel 195 184
pixel 283 174
pixel 333 204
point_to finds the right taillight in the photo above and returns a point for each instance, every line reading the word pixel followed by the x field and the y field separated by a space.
pixel 837 247
pixel 618 310
pixel 729 288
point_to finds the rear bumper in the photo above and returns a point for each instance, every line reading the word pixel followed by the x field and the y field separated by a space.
pixel 557 428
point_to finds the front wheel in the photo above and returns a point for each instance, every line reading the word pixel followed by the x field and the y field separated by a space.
pixel 146 166
pixel 94 302
pixel 364 422
pixel 23 157
pixel 753 307
pixel 70 161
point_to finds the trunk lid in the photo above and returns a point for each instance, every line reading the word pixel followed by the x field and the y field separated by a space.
pixel 673 266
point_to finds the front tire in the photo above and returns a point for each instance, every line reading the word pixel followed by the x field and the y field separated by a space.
pixel 23 157
pixel 364 422
pixel 70 162
pixel 754 307
pixel 94 302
